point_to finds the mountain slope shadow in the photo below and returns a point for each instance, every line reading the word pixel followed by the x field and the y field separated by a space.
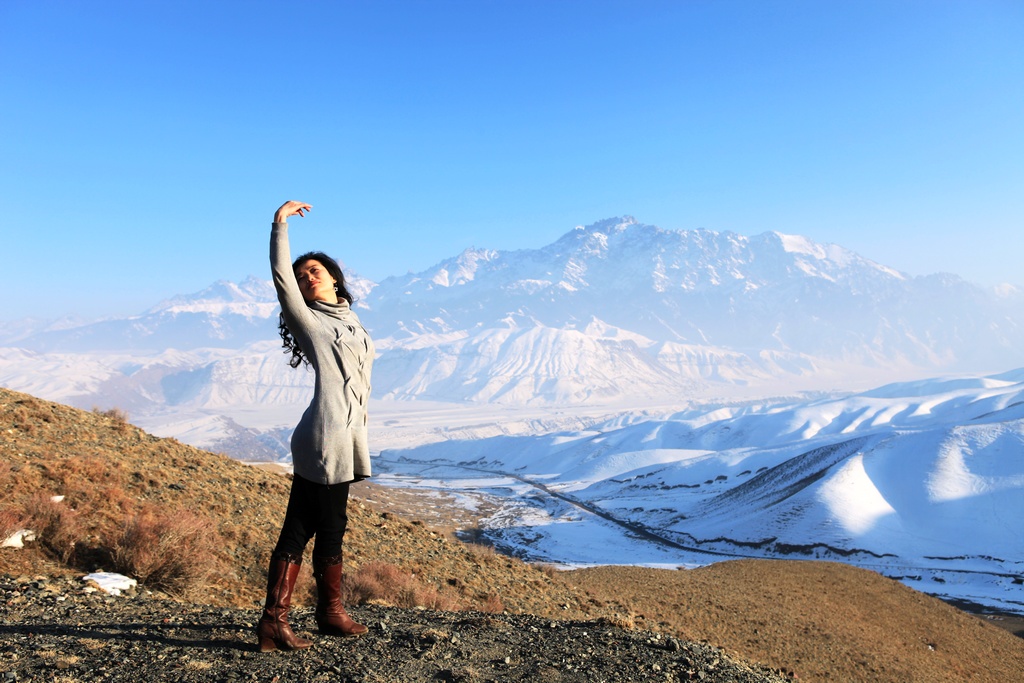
pixel 785 480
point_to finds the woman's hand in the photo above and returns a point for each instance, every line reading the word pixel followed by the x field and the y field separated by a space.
pixel 291 208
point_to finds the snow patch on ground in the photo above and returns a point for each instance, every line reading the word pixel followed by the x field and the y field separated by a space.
pixel 111 583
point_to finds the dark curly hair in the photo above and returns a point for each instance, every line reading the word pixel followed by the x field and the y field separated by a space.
pixel 287 340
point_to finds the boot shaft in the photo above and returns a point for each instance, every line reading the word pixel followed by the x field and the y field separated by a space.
pixel 273 631
pixel 331 616
pixel 284 570
pixel 328 572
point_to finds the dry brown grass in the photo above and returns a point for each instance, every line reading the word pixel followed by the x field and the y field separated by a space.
pixel 382 583
pixel 59 527
pixel 11 520
pixel 115 414
pixel 173 551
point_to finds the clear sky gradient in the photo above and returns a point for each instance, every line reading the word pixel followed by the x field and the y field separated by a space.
pixel 145 145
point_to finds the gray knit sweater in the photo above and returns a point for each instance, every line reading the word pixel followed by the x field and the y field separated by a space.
pixel 329 445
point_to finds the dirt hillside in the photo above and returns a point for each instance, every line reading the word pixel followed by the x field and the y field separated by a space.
pixel 824 621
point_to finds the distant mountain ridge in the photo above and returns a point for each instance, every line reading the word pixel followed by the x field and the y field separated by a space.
pixel 614 311
pixel 693 287
pixel 682 306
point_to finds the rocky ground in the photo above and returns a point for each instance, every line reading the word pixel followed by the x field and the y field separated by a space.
pixel 54 631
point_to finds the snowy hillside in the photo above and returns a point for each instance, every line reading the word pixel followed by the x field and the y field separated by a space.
pixel 922 481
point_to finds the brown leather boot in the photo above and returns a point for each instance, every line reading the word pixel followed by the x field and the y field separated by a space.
pixel 273 631
pixel 331 616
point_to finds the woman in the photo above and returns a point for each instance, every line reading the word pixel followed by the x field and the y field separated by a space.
pixel 329 447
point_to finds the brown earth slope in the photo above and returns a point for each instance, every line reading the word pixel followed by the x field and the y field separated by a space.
pixel 824 621
pixel 821 621
pixel 112 474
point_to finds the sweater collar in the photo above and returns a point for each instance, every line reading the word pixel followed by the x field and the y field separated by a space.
pixel 340 310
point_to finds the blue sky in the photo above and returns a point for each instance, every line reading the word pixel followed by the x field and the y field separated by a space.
pixel 145 146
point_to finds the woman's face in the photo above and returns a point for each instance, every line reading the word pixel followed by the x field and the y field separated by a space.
pixel 315 282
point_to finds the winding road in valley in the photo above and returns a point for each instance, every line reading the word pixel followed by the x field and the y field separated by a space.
pixel 634 528
pixel 637 530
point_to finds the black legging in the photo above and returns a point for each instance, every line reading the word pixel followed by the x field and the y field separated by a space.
pixel 314 510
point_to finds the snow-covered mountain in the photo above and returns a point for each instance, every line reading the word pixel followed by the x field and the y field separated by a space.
pixel 612 313
pixel 225 314
pixel 922 481
pixel 623 281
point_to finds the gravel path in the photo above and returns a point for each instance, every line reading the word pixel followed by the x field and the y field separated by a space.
pixel 53 630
